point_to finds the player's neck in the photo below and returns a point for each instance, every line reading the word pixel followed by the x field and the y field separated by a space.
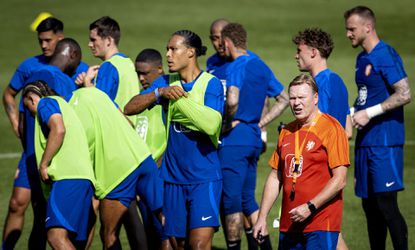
pixel 237 52
pixel 111 51
pixel 318 67
pixel 190 73
pixel 370 42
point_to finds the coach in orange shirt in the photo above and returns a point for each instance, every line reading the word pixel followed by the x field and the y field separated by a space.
pixel 310 164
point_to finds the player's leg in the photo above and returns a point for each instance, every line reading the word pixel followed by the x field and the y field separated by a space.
pixel 249 205
pixel 341 244
pixel 175 212
pixel 92 221
pixel 388 206
pixel 19 201
pixel 203 200
pixel 58 238
pixel 234 169
pixel 134 228
pixel 288 241
pixel 376 224
pixel 111 212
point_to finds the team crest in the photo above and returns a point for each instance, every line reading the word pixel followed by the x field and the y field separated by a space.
pixel 310 145
pixel 142 126
pixel 290 165
pixel 362 95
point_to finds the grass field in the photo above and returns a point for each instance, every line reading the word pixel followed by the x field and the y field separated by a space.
pixel 270 25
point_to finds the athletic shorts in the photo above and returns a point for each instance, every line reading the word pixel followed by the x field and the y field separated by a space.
pixel 239 167
pixel 27 176
pixel 191 206
pixel 378 169
pixel 321 240
pixel 143 181
pixel 69 207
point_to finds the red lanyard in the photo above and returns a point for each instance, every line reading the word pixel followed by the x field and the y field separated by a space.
pixel 298 152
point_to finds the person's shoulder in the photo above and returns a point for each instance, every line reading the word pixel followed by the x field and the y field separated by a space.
pixel 33 62
pixel 328 124
pixel 82 66
pixel 214 60
pixel 383 54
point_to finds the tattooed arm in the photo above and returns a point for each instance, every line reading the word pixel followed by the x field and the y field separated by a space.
pixel 232 101
pixel 400 97
pixel 281 102
pixel 10 108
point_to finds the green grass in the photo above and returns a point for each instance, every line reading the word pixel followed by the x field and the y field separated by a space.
pixel 270 24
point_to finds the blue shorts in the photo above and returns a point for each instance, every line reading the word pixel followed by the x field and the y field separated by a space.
pixel 239 167
pixel 378 169
pixel 69 206
pixel 27 176
pixel 191 206
pixel 321 240
pixel 143 181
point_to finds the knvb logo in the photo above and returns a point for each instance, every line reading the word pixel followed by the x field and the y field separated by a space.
pixel 290 166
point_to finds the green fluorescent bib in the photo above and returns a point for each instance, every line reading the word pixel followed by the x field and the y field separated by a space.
pixel 115 147
pixel 152 130
pixel 191 111
pixel 72 161
pixel 128 85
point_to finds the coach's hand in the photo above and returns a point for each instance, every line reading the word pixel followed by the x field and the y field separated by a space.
pixel 172 92
pixel 300 213
pixel 260 229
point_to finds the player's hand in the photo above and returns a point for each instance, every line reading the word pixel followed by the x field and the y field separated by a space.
pixel 300 213
pixel 43 170
pixel 172 92
pixel 360 119
pixel 90 75
pixel 80 79
pixel 260 229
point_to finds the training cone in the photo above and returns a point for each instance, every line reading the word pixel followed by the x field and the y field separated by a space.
pixel 42 16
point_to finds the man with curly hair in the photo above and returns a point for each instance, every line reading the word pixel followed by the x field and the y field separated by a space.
pixel 314 47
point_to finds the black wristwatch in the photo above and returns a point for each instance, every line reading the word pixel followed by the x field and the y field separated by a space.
pixel 311 207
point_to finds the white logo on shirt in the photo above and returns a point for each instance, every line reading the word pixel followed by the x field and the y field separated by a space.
pixel 206 218
pixel 142 126
pixel 389 184
pixel 310 145
pixel 362 95
pixel 75 102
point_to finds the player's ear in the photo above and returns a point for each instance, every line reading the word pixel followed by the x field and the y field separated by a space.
pixel 314 52
pixel 191 52
pixel 160 70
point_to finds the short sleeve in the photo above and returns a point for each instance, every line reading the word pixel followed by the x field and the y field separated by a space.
pixel 274 161
pixel 389 64
pixel 107 79
pixel 46 108
pixel 274 86
pixel 214 95
pixel 338 149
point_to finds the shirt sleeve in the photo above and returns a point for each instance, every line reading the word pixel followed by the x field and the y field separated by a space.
pixel 274 86
pixel 338 149
pixel 390 65
pixel 20 76
pixel 214 95
pixel 107 79
pixel 274 161
pixel 45 109
pixel 82 67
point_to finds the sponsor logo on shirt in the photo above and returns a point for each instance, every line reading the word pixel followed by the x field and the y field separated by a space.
pixel 142 126
pixel 362 95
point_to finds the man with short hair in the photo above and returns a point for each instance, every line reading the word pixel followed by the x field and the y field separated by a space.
pixel 383 89
pixel 249 81
pixel 26 184
pixel 116 75
pixel 311 169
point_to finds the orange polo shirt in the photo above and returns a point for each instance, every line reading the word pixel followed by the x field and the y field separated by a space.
pixel 326 147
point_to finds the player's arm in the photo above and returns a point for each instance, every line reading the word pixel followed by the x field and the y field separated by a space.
pixel 281 103
pixel 336 183
pixel 54 142
pixel 349 127
pixel 10 108
pixel 271 190
pixel 232 102
pixel 400 97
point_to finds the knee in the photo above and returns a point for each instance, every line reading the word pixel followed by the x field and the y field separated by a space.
pixel 200 243
pixel 18 204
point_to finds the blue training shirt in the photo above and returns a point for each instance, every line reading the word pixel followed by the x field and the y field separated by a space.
pixel 332 95
pixel 45 109
pixel 58 81
pixel 386 68
pixel 190 156
pixel 108 79
pixel 25 70
pixel 255 81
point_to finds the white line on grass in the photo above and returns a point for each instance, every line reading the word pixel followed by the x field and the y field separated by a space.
pixel 269 144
